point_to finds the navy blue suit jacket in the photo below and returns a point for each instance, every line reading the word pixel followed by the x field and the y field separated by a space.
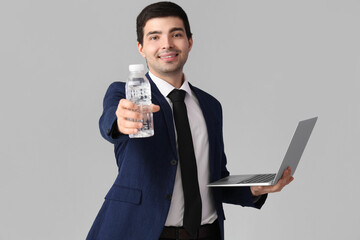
pixel 137 205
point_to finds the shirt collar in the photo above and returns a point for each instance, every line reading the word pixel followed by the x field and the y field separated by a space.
pixel 165 88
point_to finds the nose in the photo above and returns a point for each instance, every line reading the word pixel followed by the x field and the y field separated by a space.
pixel 167 43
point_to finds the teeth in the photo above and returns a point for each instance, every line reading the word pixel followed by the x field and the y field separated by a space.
pixel 169 56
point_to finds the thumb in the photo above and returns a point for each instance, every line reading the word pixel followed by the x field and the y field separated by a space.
pixel 155 108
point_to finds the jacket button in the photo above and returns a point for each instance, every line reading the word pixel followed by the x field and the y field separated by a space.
pixel 173 162
pixel 168 197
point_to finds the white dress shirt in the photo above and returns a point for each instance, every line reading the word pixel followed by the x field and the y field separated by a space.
pixel 201 147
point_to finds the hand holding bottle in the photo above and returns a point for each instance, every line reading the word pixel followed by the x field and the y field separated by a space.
pixel 138 91
pixel 127 112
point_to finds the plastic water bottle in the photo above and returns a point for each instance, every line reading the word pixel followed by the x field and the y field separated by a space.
pixel 138 91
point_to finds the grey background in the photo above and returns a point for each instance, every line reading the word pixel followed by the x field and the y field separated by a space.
pixel 270 63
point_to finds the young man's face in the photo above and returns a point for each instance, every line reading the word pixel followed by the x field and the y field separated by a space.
pixel 165 45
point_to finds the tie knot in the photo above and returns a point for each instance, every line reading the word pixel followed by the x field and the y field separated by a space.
pixel 177 95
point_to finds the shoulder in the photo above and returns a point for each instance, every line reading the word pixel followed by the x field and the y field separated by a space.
pixel 205 97
pixel 114 93
pixel 116 88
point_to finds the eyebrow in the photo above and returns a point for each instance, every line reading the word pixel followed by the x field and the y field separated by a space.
pixel 153 32
pixel 176 29
pixel 171 30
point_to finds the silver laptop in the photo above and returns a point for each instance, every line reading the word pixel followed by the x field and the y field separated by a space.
pixel 292 158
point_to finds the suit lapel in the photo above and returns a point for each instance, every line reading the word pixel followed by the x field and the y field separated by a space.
pixel 165 109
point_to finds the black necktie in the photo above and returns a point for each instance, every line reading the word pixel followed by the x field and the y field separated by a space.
pixel 192 198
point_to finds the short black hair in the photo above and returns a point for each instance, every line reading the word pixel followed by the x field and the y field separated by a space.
pixel 158 10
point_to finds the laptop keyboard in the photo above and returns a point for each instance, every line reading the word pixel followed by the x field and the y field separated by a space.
pixel 260 178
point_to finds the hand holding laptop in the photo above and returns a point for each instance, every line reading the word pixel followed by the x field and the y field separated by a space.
pixel 267 183
pixel 283 181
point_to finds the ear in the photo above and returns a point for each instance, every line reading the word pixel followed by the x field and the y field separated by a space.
pixel 190 43
pixel 140 48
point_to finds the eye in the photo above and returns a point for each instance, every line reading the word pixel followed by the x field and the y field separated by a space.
pixel 177 35
pixel 154 38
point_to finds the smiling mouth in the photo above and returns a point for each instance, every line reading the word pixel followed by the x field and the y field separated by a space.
pixel 169 56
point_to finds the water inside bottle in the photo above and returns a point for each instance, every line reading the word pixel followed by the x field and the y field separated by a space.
pixel 139 93
pixel 148 128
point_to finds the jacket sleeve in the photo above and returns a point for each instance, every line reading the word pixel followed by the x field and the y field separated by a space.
pixel 107 122
pixel 242 196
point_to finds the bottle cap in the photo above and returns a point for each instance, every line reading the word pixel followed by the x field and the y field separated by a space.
pixel 136 68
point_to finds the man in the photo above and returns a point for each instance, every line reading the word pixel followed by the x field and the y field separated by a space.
pixel 149 199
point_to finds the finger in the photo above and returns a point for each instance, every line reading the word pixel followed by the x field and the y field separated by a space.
pixel 127 104
pixel 155 108
pixel 287 176
pixel 256 190
pixel 290 180
pixel 283 182
pixel 287 172
pixel 124 113
pixel 128 121
pixel 127 110
pixel 131 124
pixel 128 130
pixel 128 127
